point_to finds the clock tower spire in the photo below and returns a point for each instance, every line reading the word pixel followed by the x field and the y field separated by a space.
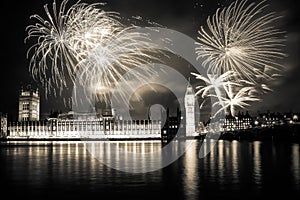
pixel 189 103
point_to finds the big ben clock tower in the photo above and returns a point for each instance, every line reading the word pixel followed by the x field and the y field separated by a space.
pixel 189 103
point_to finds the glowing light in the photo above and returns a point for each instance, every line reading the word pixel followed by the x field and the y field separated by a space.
pixel 100 89
pixel 295 117
pixel 241 38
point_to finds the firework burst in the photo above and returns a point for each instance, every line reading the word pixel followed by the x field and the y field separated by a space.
pixel 86 43
pixel 236 98
pixel 109 60
pixel 231 94
pixel 241 38
pixel 56 52
pixel 214 83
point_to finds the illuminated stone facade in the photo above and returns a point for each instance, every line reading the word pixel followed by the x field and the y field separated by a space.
pixel 92 128
pixel 102 125
pixel 3 125
pixel 189 102
pixel 29 105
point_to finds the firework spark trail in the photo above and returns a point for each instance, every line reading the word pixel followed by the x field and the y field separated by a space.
pixel 107 62
pixel 221 87
pixel 215 83
pixel 241 38
pixel 236 98
pixel 85 40
pixel 52 46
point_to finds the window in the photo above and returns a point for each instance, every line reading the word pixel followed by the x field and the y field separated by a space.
pixel 26 106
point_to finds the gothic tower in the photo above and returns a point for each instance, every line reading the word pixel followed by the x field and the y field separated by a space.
pixel 3 125
pixel 189 103
pixel 29 105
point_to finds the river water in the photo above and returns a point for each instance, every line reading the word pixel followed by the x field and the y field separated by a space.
pixel 231 170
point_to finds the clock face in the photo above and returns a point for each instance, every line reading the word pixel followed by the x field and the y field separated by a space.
pixel 190 101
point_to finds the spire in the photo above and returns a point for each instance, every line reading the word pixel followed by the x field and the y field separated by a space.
pixel 189 82
pixel 189 89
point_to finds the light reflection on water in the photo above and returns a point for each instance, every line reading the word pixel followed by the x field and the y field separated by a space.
pixel 257 162
pixel 231 169
pixel 234 156
pixel 190 175
pixel 295 166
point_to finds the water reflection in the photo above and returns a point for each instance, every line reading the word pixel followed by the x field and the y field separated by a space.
pixel 235 161
pixel 137 156
pixel 295 167
pixel 190 177
pixel 257 174
pixel 221 161
pixel 126 156
pixel 226 165
pixel 230 168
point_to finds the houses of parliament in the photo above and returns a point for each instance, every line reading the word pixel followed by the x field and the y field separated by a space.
pixel 103 125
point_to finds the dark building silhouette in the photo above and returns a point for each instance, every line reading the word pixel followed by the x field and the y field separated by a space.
pixel 171 126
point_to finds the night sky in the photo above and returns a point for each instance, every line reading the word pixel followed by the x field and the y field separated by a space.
pixel 185 16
